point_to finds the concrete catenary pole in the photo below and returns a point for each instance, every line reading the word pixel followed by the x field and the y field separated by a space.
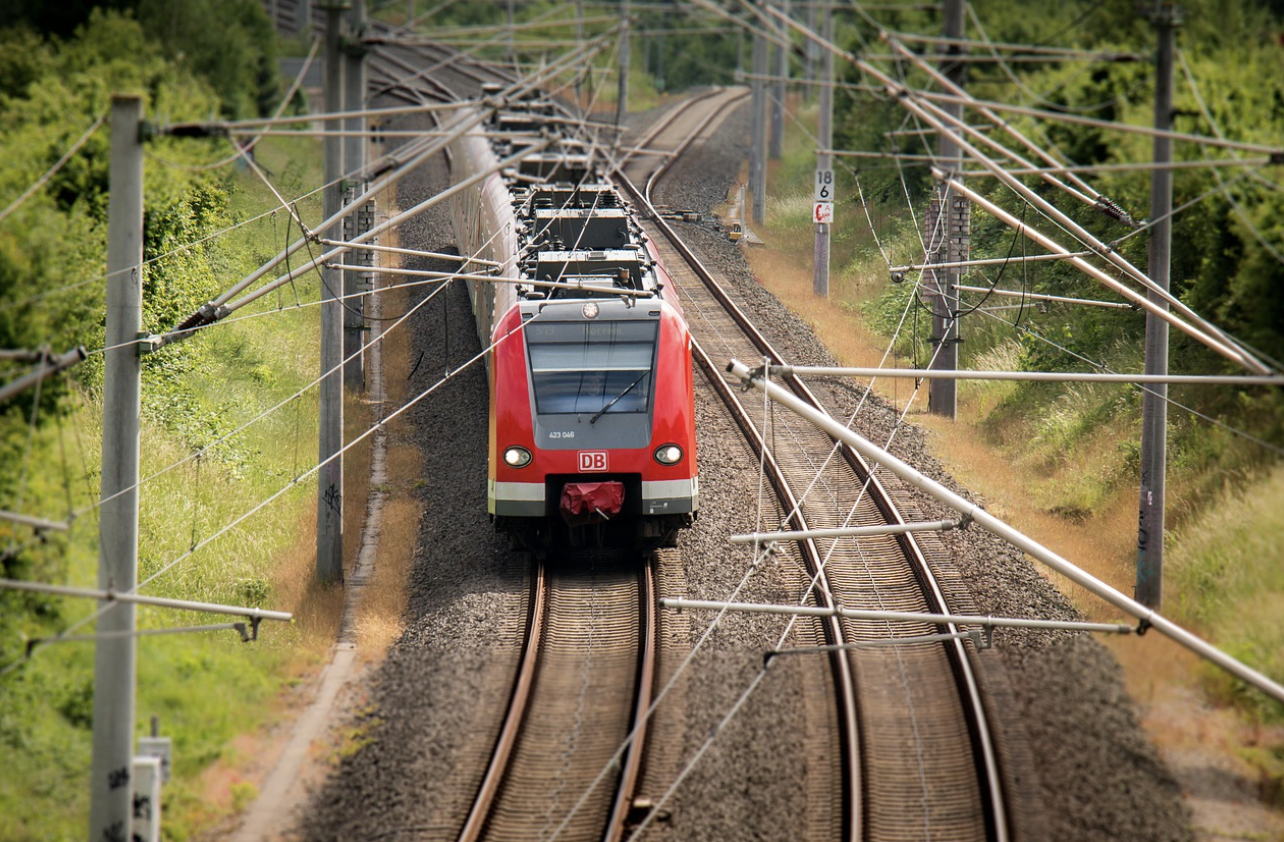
pixel 779 69
pixel 330 477
pixel 510 54
pixel 810 53
pixel 824 161
pixel 579 46
pixel 354 157
pixel 952 224
pixel 115 657
pixel 1154 403
pixel 622 98
pixel 758 144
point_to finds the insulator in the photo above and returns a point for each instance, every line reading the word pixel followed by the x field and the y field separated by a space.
pixel 1111 208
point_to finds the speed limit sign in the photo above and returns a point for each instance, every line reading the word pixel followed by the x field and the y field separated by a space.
pixel 824 186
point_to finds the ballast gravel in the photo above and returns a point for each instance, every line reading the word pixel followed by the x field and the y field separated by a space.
pixel 743 758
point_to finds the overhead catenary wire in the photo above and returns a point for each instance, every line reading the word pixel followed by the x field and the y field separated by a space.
pixel 1197 332
pixel 1221 342
pixel 442 276
pixel 1148 616
pixel 1208 118
pixel 196 546
pixel 1216 422
pixel 53 170
pixel 217 307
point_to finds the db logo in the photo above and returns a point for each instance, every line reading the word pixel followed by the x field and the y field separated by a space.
pixel 592 460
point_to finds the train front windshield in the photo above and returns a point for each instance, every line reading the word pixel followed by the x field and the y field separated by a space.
pixel 592 367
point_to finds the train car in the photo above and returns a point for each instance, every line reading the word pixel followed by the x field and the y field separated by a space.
pixel 592 420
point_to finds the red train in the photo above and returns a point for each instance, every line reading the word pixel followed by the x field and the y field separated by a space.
pixel 592 420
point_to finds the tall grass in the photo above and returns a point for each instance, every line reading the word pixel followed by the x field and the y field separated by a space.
pixel 1226 575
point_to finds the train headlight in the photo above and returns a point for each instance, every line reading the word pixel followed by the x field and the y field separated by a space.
pixel 517 457
pixel 669 454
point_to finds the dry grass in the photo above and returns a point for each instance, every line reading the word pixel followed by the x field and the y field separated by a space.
pixel 383 604
pixel 380 617
pixel 317 608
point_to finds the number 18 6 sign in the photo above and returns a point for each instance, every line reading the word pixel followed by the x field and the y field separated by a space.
pixel 824 186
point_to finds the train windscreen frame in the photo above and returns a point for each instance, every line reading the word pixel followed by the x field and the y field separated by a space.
pixel 585 367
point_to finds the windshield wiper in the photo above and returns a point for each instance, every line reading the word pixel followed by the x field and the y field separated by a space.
pixel 627 389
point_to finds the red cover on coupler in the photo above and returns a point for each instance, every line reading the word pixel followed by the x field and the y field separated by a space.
pixel 591 502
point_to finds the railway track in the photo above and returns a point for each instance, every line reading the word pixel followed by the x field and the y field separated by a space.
pixel 564 765
pixel 918 758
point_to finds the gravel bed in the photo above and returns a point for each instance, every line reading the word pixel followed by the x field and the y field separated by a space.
pixel 1085 769
pixel 1082 763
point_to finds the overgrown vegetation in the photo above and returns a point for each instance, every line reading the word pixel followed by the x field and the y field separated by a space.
pixel 1080 443
pixel 204 688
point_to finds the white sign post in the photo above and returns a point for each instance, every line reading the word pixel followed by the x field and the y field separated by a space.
pixel 823 208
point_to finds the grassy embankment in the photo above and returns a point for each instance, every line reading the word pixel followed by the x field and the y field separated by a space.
pixel 1060 463
pixel 208 691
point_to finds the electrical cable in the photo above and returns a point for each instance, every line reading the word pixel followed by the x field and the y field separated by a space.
pixel 52 171
pixel 1016 235
pixel 1278 450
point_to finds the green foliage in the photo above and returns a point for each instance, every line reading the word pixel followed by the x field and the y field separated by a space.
pixel 227 43
pixel 1227 264
pixel 52 255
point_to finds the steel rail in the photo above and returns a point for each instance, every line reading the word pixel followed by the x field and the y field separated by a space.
pixel 631 765
pixel 844 680
pixel 840 666
pixel 518 704
pixel 673 156
pixel 970 696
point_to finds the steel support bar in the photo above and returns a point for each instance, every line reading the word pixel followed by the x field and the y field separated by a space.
pixel 978 637
pixel 1230 351
pixel 951 236
pixel 1038 296
pixel 330 490
pixel 1149 618
pixel 460 258
pixel 52 365
pixel 127 598
pixel 984 620
pixel 37 523
pixel 81 638
pixel 988 261
pixel 824 160
pixel 1044 376
pixel 844 532
pixel 1154 403
pixel 234 126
